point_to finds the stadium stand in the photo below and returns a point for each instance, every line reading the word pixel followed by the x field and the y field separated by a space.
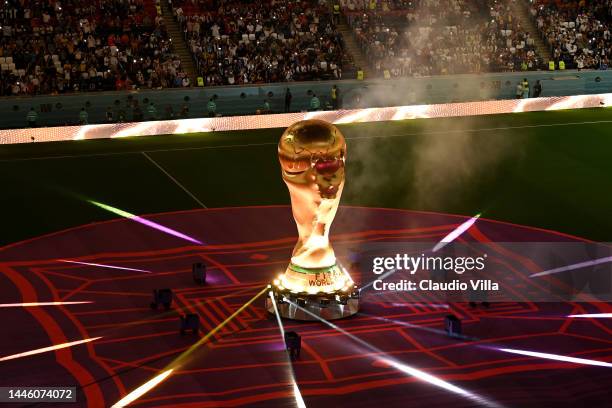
pixel 246 42
pixel 578 32
pixel 59 46
pixel 432 37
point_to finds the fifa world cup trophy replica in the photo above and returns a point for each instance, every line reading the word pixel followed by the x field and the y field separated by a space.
pixel 312 155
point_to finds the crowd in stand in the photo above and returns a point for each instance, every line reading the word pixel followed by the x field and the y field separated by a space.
pixel 578 32
pixel 430 37
pixel 59 46
pixel 247 42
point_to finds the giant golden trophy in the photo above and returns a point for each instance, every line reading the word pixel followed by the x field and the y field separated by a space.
pixel 312 155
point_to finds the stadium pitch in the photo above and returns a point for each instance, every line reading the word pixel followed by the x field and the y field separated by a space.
pixel 543 169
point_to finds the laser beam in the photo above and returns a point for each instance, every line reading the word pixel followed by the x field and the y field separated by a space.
pixel 103 265
pixel 180 360
pixel 296 390
pixel 46 349
pixel 417 327
pixel 594 315
pixel 36 304
pixel 146 222
pixel 558 357
pixel 571 267
pixel 456 233
pixel 421 375
pixel 143 389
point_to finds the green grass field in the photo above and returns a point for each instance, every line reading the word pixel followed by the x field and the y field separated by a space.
pixel 546 169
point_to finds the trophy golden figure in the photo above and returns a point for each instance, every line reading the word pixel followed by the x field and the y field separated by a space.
pixel 312 155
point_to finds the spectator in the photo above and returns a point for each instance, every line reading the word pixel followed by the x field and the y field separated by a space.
pixel 268 41
pixel 266 106
pixel 335 94
pixel 83 117
pixel 109 115
pixel 152 111
pixel 212 108
pixel 519 90
pixel 185 111
pixel 537 89
pixel 433 37
pixel 288 97
pixel 578 33
pixel 62 46
pixel 32 118
pixel 315 103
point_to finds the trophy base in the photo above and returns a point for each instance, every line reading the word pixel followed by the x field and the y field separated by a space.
pixel 332 310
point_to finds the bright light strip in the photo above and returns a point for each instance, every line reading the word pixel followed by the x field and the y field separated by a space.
pixel 146 222
pixel 296 390
pixel 298 396
pixel 594 315
pixel 421 375
pixel 143 389
pixel 403 367
pixel 46 349
pixel 573 266
pixel 456 233
pixel 36 304
pixel 278 319
pixel 182 126
pixel 557 357
pixel 103 266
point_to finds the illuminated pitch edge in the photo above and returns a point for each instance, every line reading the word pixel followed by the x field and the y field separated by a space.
pixel 182 126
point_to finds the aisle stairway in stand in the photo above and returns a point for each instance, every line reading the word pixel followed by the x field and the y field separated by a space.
pixel 353 49
pixel 178 41
pixel 520 10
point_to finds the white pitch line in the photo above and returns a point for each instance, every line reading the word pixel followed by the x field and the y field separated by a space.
pixel 174 180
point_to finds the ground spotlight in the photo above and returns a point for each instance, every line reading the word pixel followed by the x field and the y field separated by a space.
pixel 162 297
pixel 190 321
pixel 198 271
pixel 293 342
pixel 452 324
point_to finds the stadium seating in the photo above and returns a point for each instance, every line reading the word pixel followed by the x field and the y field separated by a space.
pixel 433 37
pixel 578 32
pixel 59 46
pixel 261 41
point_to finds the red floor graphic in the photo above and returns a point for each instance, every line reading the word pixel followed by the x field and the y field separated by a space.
pixel 244 364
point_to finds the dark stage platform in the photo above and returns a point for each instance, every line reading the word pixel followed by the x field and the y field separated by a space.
pixel 245 364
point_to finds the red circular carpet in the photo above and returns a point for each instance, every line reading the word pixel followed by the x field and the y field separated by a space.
pixel 245 364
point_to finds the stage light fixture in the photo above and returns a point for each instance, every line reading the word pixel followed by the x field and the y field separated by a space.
pixel 162 297
pixel 293 342
pixel 190 321
pixel 452 325
pixel 198 270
